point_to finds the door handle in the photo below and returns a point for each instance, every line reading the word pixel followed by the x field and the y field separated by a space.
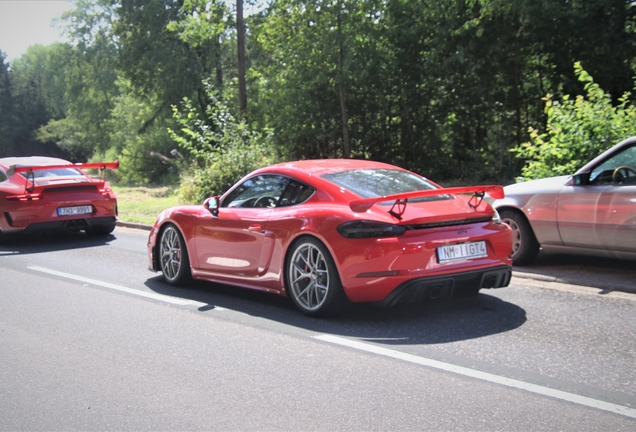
pixel 255 228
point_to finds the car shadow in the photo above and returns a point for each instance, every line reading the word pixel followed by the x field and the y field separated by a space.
pixel 425 323
pixel 33 243
pixel 598 272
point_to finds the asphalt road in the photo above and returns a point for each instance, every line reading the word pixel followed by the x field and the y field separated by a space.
pixel 605 274
pixel 90 340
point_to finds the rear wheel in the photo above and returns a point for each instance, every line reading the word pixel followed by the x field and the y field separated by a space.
pixel 173 256
pixel 525 246
pixel 312 279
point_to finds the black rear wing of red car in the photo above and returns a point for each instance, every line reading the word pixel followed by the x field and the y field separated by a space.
pixel 98 165
pixel 400 200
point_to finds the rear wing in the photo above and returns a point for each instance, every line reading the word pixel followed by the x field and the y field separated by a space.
pixel 362 205
pixel 26 168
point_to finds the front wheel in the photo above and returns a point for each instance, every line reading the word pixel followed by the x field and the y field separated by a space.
pixel 312 279
pixel 173 257
pixel 525 246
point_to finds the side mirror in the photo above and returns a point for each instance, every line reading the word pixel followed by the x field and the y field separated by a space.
pixel 212 204
pixel 581 179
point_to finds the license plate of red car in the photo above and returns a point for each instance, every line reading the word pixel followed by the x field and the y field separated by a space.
pixel 75 210
pixel 461 251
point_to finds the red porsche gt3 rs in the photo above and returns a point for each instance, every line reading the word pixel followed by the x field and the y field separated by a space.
pixel 323 231
pixel 50 194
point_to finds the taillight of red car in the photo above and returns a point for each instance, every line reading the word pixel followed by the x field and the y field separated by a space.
pixel 24 197
pixel 369 229
pixel 107 192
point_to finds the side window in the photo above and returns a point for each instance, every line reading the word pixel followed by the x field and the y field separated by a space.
pixel 620 169
pixel 3 176
pixel 296 193
pixel 257 192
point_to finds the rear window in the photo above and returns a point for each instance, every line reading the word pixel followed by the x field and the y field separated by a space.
pixel 371 183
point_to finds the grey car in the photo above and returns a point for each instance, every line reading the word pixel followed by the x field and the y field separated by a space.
pixel 592 211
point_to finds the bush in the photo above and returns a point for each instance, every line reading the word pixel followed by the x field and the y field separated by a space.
pixel 221 149
pixel 221 170
pixel 577 130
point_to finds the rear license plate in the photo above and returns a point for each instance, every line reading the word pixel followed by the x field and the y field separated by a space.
pixel 75 210
pixel 461 251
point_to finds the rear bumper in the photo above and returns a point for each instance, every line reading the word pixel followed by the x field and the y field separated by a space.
pixel 448 285
pixel 70 224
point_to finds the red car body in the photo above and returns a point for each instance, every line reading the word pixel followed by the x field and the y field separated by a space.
pixel 382 248
pixel 50 194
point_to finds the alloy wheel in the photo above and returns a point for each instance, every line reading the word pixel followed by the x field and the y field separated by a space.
pixel 309 276
pixel 170 256
pixel 516 235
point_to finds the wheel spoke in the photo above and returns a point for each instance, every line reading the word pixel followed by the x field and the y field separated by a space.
pixel 306 293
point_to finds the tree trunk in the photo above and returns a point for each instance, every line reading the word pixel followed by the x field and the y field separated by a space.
pixel 346 151
pixel 219 61
pixel 240 39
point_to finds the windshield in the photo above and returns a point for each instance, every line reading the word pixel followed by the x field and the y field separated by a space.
pixel 371 183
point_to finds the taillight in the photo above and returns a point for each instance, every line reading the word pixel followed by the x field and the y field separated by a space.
pixel 496 218
pixel 105 191
pixel 369 229
pixel 24 197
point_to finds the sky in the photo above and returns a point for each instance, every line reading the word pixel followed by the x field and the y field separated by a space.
pixel 28 22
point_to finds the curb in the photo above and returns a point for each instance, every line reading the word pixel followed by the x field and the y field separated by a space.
pixel 134 225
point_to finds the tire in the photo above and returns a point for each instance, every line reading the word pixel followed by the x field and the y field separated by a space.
pixel 525 246
pixel 312 280
pixel 173 256
pixel 101 229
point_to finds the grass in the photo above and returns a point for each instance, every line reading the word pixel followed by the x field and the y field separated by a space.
pixel 142 204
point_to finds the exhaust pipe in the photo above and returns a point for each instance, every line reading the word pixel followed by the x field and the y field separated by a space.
pixel 71 224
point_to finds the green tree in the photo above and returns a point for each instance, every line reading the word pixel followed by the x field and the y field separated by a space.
pixel 83 79
pixel 139 144
pixel 306 79
pixel 444 88
pixel 162 52
pixel 33 99
pixel 7 118
pixel 202 25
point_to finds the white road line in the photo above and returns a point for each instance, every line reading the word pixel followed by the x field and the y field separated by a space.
pixel 533 388
pixel 96 282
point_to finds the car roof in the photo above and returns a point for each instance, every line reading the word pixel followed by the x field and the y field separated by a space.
pixel 318 167
pixel 32 161
pixel 607 154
